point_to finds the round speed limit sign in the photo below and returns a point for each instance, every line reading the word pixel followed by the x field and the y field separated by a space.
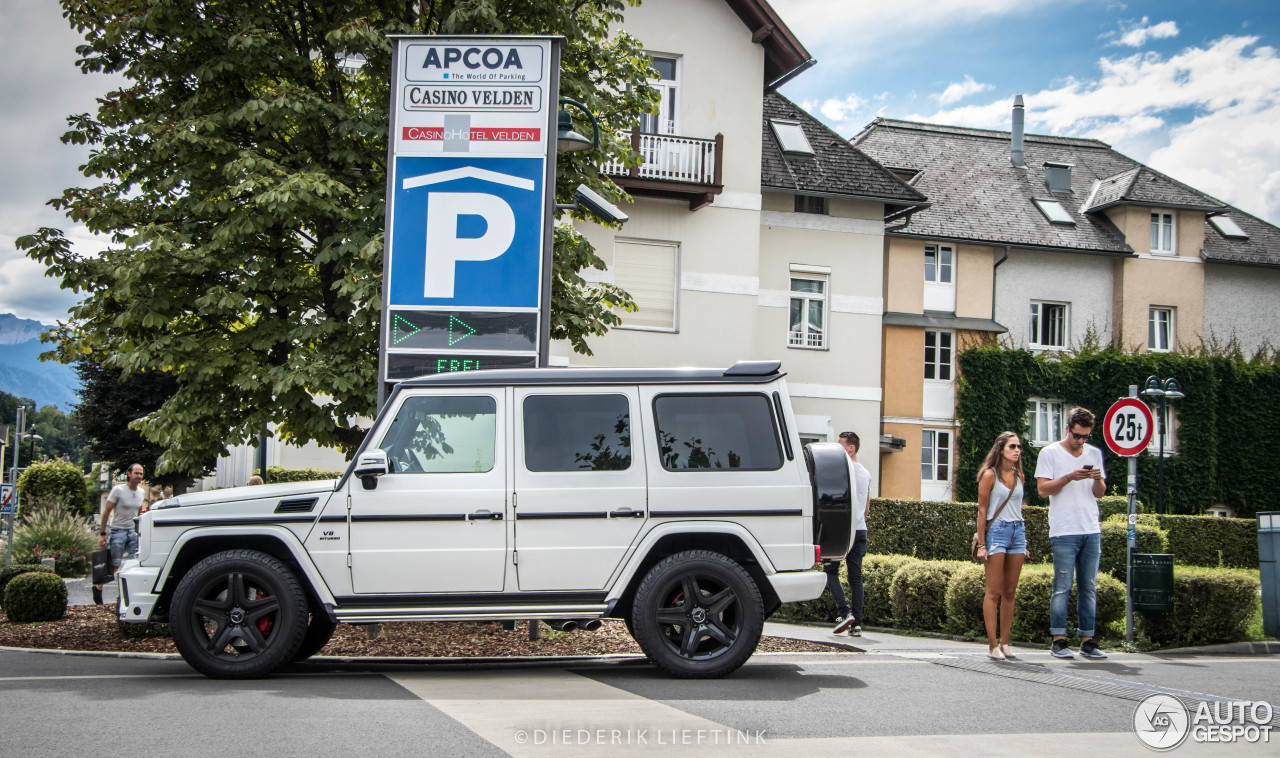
pixel 1128 426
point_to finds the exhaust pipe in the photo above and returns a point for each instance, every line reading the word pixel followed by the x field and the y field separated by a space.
pixel 589 625
pixel 562 625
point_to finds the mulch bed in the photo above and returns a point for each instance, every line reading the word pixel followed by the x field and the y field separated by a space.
pixel 89 627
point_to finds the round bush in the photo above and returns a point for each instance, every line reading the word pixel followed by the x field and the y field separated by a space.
pixel 918 594
pixel 1210 606
pixel 1149 538
pixel 1035 590
pixel 877 577
pixel 965 593
pixel 7 573
pixel 58 480
pixel 35 596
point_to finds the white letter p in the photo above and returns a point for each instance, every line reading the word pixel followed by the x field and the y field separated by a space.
pixel 445 248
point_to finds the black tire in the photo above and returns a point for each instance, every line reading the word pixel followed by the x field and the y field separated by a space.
pixel 319 632
pixel 239 614
pixel 697 615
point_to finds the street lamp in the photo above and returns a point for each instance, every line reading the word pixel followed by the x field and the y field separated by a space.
pixel 34 438
pixel 1163 390
pixel 569 141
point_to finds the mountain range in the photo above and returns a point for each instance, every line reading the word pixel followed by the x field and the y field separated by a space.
pixel 23 374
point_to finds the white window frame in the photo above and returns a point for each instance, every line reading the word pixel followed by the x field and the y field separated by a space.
pixel 1154 342
pixel 1044 434
pixel 1164 236
pixel 938 267
pixel 937 364
pixel 808 340
pixel 1037 314
pixel 668 95
pixel 675 286
pixel 1170 439
pixel 932 451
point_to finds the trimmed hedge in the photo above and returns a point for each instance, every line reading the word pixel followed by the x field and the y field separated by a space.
pixel 965 594
pixel 877 580
pixel 35 596
pixel 1115 545
pixel 918 594
pixel 1035 590
pixel 7 573
pixel 276 475
pixel 1210 606
pixel 931 530
pixel 56 480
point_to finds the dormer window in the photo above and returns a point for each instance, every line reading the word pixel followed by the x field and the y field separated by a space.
pixel 1162 231
pixel 1055 212
pixel 1228 227
pixel 791 137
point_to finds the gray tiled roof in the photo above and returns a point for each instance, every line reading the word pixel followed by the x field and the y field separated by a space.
pixel 835 168
pixel 978 195
pixel 1145 186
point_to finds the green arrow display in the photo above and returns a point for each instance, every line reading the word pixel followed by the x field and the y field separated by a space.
pixel 460 335
pixel 402 330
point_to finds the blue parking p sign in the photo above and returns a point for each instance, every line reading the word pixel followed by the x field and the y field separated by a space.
pixel 467 233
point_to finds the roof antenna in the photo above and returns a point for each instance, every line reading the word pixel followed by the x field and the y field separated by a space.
pixel 1015 154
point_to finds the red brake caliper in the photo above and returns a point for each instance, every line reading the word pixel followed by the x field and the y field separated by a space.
pixel 264 623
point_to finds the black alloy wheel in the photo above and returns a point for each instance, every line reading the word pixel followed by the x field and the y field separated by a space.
pixel 698 614
pixel 239 614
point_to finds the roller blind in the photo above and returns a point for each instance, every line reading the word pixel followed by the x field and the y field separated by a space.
pixel 648 271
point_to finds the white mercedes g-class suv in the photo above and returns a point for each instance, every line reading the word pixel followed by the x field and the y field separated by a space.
pixel 679 500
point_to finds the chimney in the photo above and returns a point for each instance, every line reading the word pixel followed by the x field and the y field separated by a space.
pixel 1015 155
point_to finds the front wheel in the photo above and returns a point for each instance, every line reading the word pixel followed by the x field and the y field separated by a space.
pixel 698 615
pixel 239 614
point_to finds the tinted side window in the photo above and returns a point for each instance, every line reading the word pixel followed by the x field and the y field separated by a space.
pixel 442 435
pixel 577 433
pixel 716 432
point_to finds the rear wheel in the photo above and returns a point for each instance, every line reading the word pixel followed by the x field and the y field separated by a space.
pixel 238 614
pixel 698 615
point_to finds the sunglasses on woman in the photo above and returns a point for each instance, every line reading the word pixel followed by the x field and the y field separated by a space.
pixel 1013 447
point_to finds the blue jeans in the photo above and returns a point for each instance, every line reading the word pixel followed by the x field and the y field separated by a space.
pixel 1075 554
pixel 856 553
pixel 1006 537
pixel 122 543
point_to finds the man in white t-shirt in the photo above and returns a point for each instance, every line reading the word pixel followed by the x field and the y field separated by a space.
pixel 1070 473
pixel 123 505
pixel 849 618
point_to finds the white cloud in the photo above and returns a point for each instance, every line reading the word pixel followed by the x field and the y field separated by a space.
pixel 957 91
pixel 1138 34
pixel 1229 148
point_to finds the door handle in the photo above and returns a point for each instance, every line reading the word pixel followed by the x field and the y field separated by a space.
pixel 485 516
pixel 625 512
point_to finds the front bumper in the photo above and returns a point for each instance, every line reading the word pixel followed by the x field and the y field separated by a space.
pixel 794 586
pixel 137 591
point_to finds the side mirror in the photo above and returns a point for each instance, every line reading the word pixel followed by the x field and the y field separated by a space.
pixel 370 465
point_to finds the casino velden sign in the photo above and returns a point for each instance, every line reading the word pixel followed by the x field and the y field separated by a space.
pixel 467 204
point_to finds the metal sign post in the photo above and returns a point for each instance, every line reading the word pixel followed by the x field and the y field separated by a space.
pixel 9 508
pixel 1127 431
pixel 470 198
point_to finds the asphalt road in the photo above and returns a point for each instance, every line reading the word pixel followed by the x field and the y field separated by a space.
pixel 908 701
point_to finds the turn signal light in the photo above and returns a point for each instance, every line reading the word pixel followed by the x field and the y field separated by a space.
pixel 817 553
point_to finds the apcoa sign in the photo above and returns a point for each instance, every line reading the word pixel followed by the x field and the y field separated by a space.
pixel 468 199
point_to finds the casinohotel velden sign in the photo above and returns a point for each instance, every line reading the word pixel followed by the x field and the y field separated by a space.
pixel 469 196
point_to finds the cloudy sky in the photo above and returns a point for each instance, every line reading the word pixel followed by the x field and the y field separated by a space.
pixel 1190 87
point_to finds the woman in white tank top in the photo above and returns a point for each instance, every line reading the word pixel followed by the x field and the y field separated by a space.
pixel 1003 538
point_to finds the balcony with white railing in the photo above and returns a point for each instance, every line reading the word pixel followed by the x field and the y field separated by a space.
pixel 687 168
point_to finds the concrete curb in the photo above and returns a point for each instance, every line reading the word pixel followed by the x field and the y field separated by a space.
pixel 1265 647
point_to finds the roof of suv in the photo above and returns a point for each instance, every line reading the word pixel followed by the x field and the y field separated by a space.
pixel 742 372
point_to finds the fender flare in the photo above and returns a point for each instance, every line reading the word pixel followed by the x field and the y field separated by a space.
pixel 653 536
pixel 282 534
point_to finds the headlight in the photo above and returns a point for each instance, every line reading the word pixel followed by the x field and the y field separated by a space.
pixel 144 537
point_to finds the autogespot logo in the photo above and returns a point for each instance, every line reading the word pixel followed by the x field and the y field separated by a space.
pixel 1161 722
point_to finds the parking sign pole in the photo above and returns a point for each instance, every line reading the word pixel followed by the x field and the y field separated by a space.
pixel 1132 540
pixel 549 215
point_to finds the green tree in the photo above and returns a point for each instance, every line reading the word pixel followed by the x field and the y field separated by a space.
pixel 59 481
pixel 109 403
pixel 240 176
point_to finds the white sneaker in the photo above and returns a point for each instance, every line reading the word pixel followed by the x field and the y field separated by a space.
pixel 995 654
pixel 842 624
pixel 1008 652
pixel 856 631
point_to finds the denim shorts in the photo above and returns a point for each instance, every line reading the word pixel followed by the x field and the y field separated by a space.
pixel 1006 537
pixel 123 543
